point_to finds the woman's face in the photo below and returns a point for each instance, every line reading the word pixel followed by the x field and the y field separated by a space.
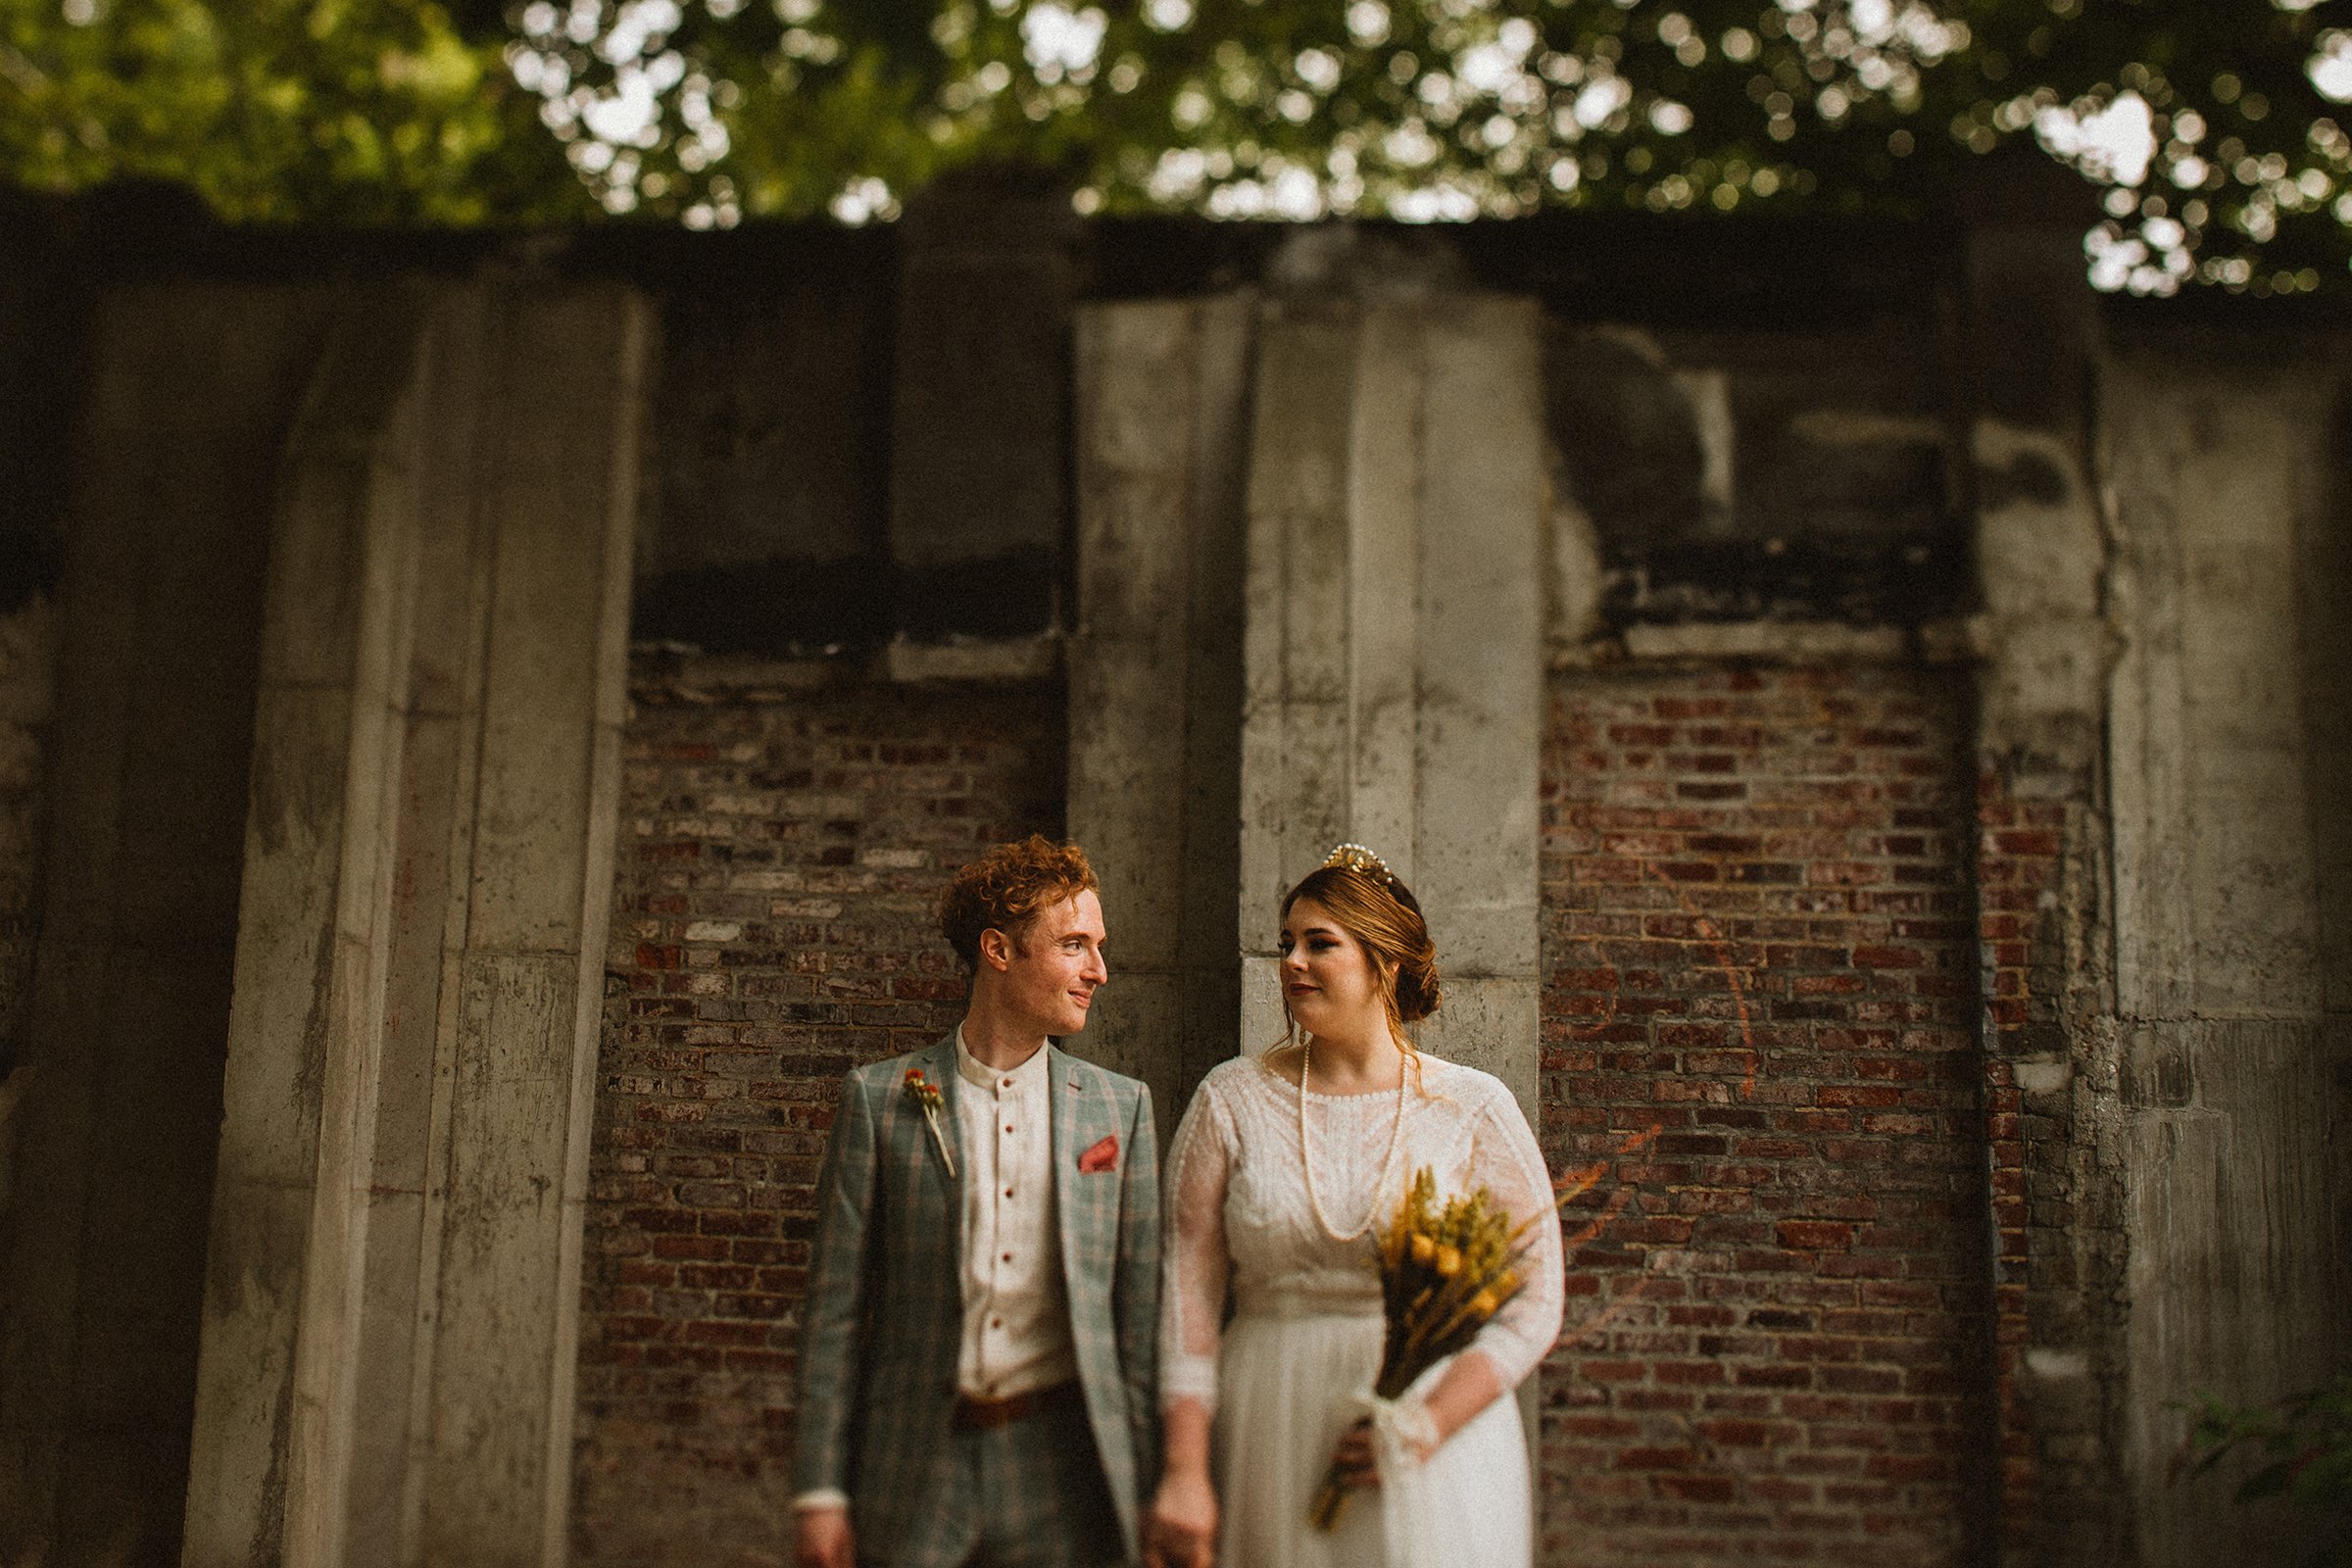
pixel 1328 980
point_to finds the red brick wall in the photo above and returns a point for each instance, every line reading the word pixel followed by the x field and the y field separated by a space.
pixel 782 849
pixel 1760 998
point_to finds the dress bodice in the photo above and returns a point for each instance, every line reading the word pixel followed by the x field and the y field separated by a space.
pixel 1242 1219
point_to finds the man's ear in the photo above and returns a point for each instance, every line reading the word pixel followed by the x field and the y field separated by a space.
pixel 995 950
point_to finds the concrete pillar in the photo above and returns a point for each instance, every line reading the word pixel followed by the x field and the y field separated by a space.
pixel 2040 1462
pixel 2233 968
pixel 1393 648
pixel 1310 609
pixel 393 1276
pixel 157 625
pixel 1155 675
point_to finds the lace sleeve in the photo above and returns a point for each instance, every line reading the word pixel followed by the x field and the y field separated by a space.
pixel 1505 1161
pixel 1193 1283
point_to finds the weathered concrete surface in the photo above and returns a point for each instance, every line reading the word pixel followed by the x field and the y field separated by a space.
pixel 980 408
pixel 1324 517
pixel 2228 750
pixel 394 1272
pixel 545 810
pixel 28 637
pixel 1394 639
pixel 43 307
pixel 1295 716
pixel 431 835
pixel 1155 674
pixel 764 518
pixel 313 927
pixel 2026 336
pixel 158 631
pixel 1776 471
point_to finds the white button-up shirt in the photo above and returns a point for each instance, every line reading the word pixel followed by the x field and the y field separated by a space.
pixel 1016 1313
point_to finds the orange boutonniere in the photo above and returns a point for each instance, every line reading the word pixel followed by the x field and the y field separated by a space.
pixel 922 1093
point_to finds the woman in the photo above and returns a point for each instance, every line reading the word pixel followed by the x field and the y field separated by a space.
pixel 1283 1171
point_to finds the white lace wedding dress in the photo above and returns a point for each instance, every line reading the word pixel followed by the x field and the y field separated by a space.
pixel 1283 1374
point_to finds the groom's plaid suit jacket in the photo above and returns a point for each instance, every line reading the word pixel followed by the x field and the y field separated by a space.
pixel 885 1308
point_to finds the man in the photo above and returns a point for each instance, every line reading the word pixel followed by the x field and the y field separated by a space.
pixel 977 1361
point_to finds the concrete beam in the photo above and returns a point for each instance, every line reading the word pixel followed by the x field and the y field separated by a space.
pixel 1372 670
pixel 299 1098
pixel 1155 675
pixel 389 1336
pixel 2043 1457
pixel 1394 649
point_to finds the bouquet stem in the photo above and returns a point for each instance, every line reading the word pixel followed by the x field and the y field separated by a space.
pixel 1330 1499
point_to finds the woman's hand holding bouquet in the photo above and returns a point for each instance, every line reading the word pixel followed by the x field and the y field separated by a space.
pixel 1443 1272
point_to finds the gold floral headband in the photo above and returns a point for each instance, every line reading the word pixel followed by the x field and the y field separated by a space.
pixel 1356 857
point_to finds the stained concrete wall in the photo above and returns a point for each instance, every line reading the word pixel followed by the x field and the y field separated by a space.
pixel 1331 517
pixel 1392 639
pixel 160 630
pixel 2025 503
pixel 28 634
pixel 2031 343
pixel 393 1278
pixel 1311 611
pixel 40 322
pixel 980 410
pixel 2233 875
pixel 1155 675
pixel 768 490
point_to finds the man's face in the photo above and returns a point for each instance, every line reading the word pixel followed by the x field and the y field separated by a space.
pixel 1052 965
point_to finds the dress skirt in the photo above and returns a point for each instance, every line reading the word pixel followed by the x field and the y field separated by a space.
pixel 1292 1373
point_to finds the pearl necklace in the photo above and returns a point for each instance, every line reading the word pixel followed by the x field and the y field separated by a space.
pixel 1307 1157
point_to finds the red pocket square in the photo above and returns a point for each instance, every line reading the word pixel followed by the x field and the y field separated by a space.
pixel 1099 1158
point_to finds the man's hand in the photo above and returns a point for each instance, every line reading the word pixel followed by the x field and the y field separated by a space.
pixel 1181 1531
pixel 823 1539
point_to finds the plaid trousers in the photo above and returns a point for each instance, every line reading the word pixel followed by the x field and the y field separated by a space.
pixel 1027 1495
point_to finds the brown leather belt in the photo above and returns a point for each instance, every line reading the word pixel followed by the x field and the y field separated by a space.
pixel 974 1413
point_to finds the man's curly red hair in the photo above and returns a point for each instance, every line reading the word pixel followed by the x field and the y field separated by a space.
pixel 1006 888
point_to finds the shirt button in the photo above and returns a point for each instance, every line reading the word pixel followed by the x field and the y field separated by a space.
pixel 1008 1083
pixel 996 1322
pixel 1008 1191
pixel 1008 1258
pixel 1008 1126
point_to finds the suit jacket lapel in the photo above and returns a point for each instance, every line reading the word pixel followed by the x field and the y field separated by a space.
pixel 1081 1116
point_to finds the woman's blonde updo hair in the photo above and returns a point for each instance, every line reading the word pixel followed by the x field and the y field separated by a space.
pixel 1368 903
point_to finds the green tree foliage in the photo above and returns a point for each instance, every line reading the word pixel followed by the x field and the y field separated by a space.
pixel 1438 109
pixel 339 111
pixel 2209 124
